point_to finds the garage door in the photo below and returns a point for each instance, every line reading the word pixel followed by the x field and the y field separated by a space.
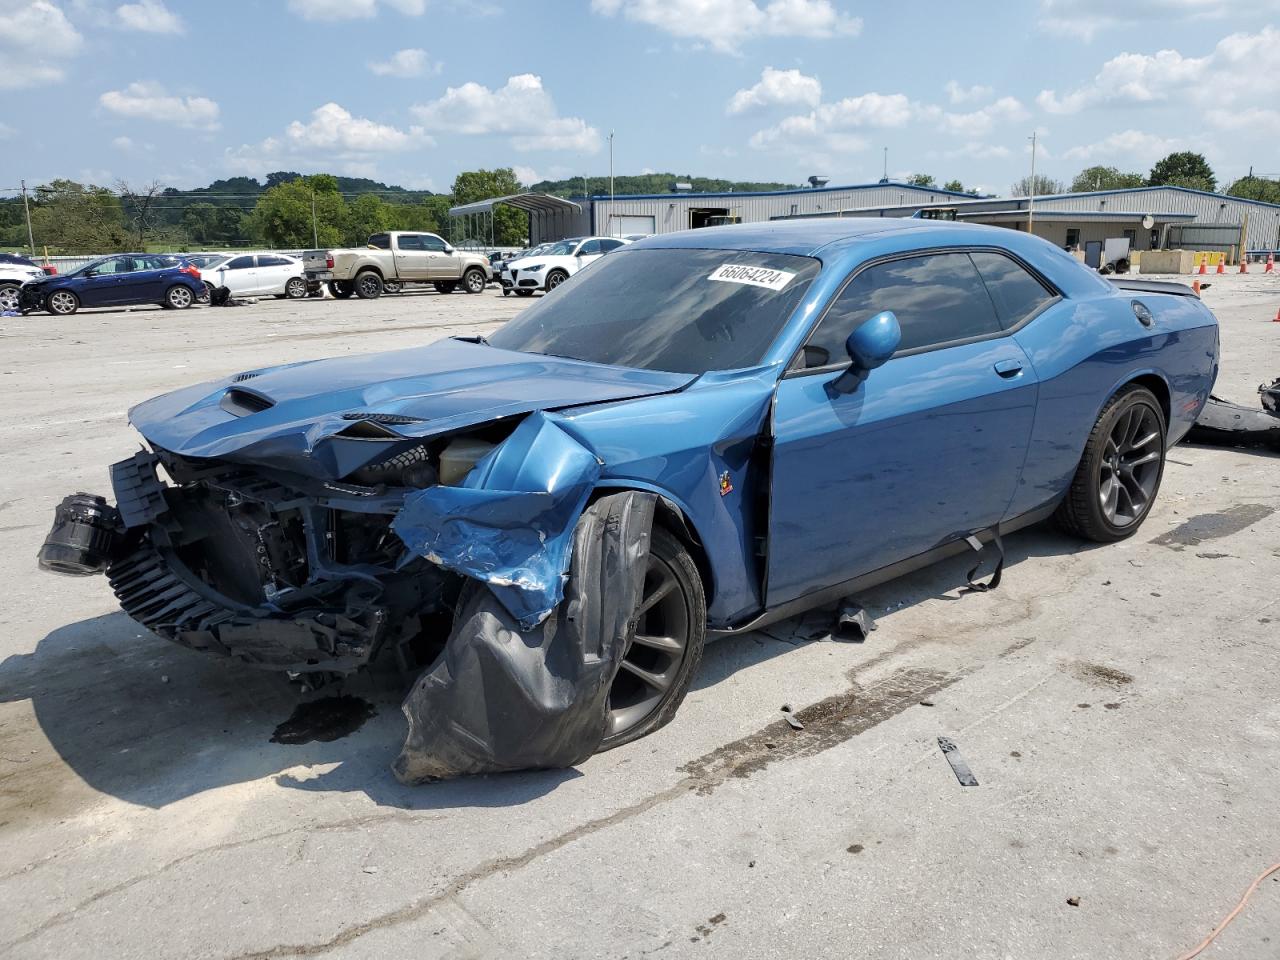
pixel 626 226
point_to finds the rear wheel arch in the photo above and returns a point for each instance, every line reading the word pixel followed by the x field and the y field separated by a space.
pixel 1157 385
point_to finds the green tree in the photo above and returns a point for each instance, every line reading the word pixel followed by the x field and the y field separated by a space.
pixel 366 215
pixel 70 217
pixel 921 180
pixel 1039 186
pixel 955 186
pixel 1183 169
pixel 1105 178
pixel 1256 188
pixel 283 215
pixel 510 226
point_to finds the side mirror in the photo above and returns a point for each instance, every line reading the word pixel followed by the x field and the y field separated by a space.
pixel 869 346
pixel 448 248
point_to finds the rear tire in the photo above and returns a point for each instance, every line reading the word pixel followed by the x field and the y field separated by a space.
pixel 473 280
pixel 340 289
pixel 368 285
pixel 295 288
pixel 1119 474
pixel 179 297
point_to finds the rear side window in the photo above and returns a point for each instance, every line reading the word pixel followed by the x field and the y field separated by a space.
pixel 1017 294
pixel 937 299
pixel 607 245
pixel 410 242
pixel 265 261
pixel 381 240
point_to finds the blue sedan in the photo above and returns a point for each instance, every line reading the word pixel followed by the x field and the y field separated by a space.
pixel 121 280
pixel 704 433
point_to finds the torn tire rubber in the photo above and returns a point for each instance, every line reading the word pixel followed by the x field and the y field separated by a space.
pixel 499 698
pixel 1119 475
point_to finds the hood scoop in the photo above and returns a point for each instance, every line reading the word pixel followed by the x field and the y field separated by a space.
pixel 240 402
pixel 389 419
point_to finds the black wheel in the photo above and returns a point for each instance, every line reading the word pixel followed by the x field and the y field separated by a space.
pixel 524 293
pixel 392 286
pixel 473 280
pixel 506 292
pixel 368 286
pixel 555 278
pixel 666 648
pixel 179 297
pixel 206 294
pixel 1119 475
pixel 295 288
pixel 340 289
pixel 62 303
pixel 10 297
pixel 445 286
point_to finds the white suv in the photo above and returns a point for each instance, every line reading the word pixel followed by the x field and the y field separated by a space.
pixel 14 272
pixel 555 263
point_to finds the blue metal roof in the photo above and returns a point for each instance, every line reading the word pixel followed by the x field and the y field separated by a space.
pixel 778 193
pixel 1103 193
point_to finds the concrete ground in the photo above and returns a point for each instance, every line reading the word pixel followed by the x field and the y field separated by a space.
pixel 1117 705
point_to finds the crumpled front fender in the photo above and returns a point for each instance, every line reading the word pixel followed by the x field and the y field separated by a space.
pixel 511 522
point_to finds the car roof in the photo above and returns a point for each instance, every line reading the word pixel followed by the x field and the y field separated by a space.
pixel 797 237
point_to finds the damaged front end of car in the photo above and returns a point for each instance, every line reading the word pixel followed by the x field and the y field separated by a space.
pixel 314 544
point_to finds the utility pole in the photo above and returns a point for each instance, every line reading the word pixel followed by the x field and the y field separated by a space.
pixel 31 240
pixel 611 166
pixel 315 230
pixel 1031 189
pixel 886 164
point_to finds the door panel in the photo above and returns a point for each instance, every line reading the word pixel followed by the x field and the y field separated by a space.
pixel 927 449
pixel 413 261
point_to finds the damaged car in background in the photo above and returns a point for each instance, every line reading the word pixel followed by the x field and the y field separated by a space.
pixel 704 433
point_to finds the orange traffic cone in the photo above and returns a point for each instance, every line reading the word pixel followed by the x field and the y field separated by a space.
pixel 1244 263
pixel 1271 263
pixel 1277 319
pixel 1195 287
pixel 1203 264
pixel 1222 265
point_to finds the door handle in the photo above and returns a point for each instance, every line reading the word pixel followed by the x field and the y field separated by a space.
pixel 1009 368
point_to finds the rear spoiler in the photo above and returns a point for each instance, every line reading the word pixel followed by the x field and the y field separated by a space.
pixel 1155 286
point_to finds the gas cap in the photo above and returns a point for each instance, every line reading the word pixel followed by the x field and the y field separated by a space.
pixel 1142 313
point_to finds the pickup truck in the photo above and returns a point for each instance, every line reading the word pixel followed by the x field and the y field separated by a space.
pixel 393 259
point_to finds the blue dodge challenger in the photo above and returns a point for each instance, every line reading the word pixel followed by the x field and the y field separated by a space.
pixel 703 433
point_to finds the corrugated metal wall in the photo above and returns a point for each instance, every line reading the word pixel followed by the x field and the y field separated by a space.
pixel 671 212
pixel 1264 221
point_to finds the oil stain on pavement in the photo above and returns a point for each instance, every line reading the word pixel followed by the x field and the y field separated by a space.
pixel 1212 526
pixel 324 720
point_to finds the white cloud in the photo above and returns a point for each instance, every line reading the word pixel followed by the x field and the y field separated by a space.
pixel 35 42
pixel 404 63
pixel 837 126
pixel 1087 18
pixel 724 24
pixel 331 139
pixel 122 143
pixel 149 16
pixel 1135 145
pixel 7 132
pixel 526 175
pixel 959 94
pixel 979 151
pixel 776 88
pixel 150 101
pixel 521 109
pixel 1131 79
pixel 353 9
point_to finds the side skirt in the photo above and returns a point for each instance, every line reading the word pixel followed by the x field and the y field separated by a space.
pixel 820 598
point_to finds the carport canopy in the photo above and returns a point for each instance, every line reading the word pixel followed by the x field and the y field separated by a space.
pixel 547 215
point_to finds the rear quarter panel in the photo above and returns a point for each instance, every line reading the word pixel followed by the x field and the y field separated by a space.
pixel 1086 350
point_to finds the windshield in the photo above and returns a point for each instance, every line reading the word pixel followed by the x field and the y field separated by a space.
pixel 561 249
pixel 683 311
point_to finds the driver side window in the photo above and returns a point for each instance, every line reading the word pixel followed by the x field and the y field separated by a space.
pixel 433 244
pixel 938 298
pixel 590 248
pixel 113 266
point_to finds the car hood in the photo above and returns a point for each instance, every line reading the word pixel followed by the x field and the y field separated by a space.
pixel 325 418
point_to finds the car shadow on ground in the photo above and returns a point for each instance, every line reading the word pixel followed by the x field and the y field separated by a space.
pixel 138 718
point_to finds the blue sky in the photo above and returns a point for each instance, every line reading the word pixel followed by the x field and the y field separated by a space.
pixel 413 91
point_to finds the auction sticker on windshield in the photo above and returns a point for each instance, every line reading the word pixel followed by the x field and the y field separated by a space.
pixel 754 276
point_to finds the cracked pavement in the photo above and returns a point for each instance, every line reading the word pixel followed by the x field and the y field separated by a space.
pixel 1116 704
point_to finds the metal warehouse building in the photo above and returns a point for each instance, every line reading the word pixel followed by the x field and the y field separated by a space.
pixel 1151 217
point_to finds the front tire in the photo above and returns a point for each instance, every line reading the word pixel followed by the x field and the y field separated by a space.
pixel 524 293
pixel 445 286
pixel 392 286
pixel 10 297
pixel 1119 475
pixel 555 278
pixel 473 280
pixel 368 286
pixel 62 303
pixel 340 289
pixel 295 288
